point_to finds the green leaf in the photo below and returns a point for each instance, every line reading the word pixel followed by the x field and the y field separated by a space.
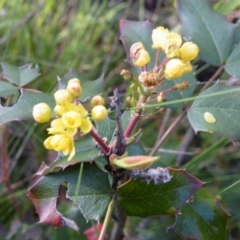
pixel 179 94
pixel 140 199
pixel 7 89
pixel 137 31
pixel 85 152
pixel 22 110
pixel 89 87
pixel 225 108
pixel 233 61
pixel 20 76
pixel 202 218
pixel 208 29
pixel 237 34
pixel 91 192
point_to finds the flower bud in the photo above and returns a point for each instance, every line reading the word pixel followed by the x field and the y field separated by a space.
pixel 99 113
pixel 174 41
pixel 159 37
pixel 97 100
pixel 187 67
pixel 161 97
pixel 74 80
pixel 181 86
pixel 62 96
pixel 74 88
pixel 41 113
pixel 209 118
pixel 127 75
pixel 188 51
pixel 139 55
pixel 132 162
pixel 174 68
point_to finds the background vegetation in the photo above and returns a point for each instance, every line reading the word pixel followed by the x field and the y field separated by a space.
pixel 83 35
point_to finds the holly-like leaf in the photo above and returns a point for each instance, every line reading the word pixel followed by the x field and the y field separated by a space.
pixel 89 87
pixel 7 89
pixel 22 110
pixel 85 152
pixel 137 31
pixel 224 108
pixel 91 192
pixel 179 94
pixel 233 61
pixel 140 199
pixel 20 75
pixel 202 218
pixel 208 29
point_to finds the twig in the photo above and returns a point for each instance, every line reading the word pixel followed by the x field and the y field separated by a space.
pixel 173 125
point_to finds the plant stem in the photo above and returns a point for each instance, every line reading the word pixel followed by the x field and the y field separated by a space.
pixel 173 125
pixel 106 220
pixel 135 118
pixel 100 141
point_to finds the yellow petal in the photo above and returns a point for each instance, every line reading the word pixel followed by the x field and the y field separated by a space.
pixel 86 125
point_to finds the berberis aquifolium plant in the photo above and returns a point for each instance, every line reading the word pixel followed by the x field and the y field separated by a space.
pixel 100 158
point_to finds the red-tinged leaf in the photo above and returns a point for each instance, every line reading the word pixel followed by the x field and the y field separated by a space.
pixel 22 110
pixel 91 192
pixel 202 218
pixel 140 199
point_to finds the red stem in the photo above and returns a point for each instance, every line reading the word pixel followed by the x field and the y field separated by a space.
pixel 100 141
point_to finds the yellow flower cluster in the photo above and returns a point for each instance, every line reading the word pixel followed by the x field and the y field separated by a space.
pixel 176 63
pixel 71 116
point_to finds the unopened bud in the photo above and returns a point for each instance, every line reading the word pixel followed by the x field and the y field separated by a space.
pixel 41 113
pixel 174 68
pixel 74 88
pixel 187 67
pixel 161 97
pixel 97 100
pixel 99 113
pixel 139 55
pixel 74 80
pixel 62 96
pixel 132 162
pixel 189 51
pixel 181 86
pixel 127 75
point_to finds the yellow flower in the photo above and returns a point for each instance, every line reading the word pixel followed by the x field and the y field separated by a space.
pixel 72 119
pixel 174 41
pixel 139 55
pixel 99 113
pixel 86 125
pixel 174 68
pixel 74 80
pixel 60 109
pixel 41 113
pixel 61 143
pixel 159 37
pixel 62 96
pixel 58 127
pixel 188 51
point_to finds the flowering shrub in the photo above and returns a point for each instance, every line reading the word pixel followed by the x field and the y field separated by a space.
pixel 99 151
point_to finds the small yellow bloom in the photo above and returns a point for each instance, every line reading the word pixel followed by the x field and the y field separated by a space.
pixel 174 68
pixel 159 37
pixel 62 96
pixel 41 113
pixel 209 118
pixel 139 55
pixel 76 108
pixel 74 80
pixel 99 113
pixel 74 88
pixel 61 143
pixel 97 100
pixel 86 125
pixel 174 41
pixel 187 67
pixel 188 51
pixel 72 119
